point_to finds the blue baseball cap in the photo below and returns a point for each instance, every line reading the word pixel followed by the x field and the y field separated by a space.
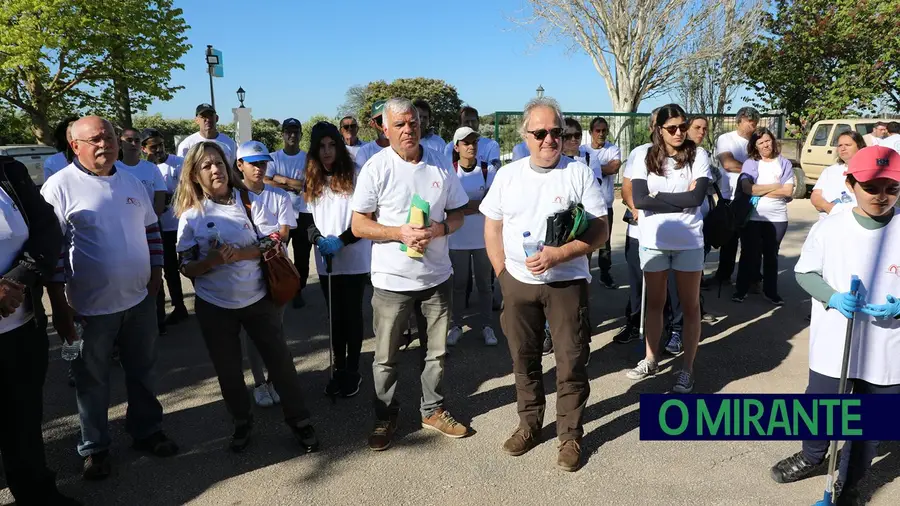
pixel 253 151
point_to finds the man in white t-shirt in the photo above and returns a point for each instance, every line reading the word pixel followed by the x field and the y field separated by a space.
pixel 731 151
pixel 146 172
pixel 407 201
pixel 349 131
pixel 605 159
pixel 429 139
pixel 381 142
pixel 488 149
pixel 154 147
pixel 287 171
pixel 553 280
pixel 107 276
pixel 207 120
pixel 893 139
pixel 519 151
pixel 879 132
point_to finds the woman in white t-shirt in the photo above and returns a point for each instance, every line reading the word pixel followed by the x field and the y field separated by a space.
pixel 467 250
pixel 330 181
pixel 668 187
pixel 219 248
pixel 830 192
pixel 769 178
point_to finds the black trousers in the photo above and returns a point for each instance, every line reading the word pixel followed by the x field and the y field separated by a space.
pixel 23 365
pixel 856 456
pixel 604 254
pixel 728 257
pixel 347 291
pixel 172 276
pixel 299 239
pixel 760 242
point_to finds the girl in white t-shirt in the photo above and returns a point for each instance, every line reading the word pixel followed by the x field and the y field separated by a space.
pixel 467 250
pixel 330 181
pixel 863 242
pixel 769 178
pixel 668 187
pixel 219 248
pixel 830 192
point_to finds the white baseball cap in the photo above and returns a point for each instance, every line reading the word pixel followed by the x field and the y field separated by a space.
pixel 462 133
pixel 253 151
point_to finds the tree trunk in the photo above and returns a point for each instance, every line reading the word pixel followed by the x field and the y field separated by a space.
pixel 123 103
pixel 40 127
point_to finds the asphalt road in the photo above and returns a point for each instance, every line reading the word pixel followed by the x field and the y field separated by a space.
pixel 754 348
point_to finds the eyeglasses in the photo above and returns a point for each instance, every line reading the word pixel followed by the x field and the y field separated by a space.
pixel 131 140
pixel 352 126
pixel 571 137
pixel 95 141
pixel 555 133
pixel 674 128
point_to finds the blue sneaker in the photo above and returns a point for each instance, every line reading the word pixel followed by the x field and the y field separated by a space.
pixel 674 346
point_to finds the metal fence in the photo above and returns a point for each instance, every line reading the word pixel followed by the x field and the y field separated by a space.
pixel 627 130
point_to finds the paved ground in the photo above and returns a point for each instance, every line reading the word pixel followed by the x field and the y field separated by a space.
pixel 755 348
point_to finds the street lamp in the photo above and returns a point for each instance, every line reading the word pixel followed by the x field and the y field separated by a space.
pixel 241 94
pixel 540 91
pixel 211 61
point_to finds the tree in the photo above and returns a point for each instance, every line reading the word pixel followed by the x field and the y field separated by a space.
pixel 442 98
pixel 834 57
pixel 58 55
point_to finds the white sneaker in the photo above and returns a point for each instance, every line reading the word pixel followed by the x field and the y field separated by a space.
pixel 272 393
pixel 262 397
pixel 453 336
pixel 489 338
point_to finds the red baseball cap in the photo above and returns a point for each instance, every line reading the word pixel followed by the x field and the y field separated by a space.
pixel 874 162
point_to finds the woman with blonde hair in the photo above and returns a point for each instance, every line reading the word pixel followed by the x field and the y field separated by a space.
pixel 219 248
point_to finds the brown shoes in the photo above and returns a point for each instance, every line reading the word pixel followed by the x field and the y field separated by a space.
pixel 520 442
pixel 443 422
pixel 569 458
pixel 382 434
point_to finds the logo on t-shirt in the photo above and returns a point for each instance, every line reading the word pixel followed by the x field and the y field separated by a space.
pixel 436 184
pixel 894 269
pixel 557 200
pixel 246 226
pixel 133 201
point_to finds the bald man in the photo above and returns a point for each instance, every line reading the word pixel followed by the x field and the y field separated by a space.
pixel 107 278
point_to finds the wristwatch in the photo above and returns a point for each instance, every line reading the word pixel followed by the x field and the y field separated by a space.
pixel 446 228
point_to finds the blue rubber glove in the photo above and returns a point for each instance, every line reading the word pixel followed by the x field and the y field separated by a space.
pixel 889 310
pixel 336 244
pixel 323 245
pixel 755 200
pixel 846 303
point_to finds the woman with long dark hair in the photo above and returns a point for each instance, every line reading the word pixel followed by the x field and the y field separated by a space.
pixel 330 180
pixel 668 187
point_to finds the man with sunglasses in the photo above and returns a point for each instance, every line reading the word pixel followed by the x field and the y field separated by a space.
pixel 369 149
pixel 349 131
pixel 287 171
pixel 606 159
pixel 154 147
pixel 552 284
pixel 207 120
pixel 488 149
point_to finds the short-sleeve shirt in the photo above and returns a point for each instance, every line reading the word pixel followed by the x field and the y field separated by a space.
pixel 773 210
pixel 832 184
pixel 227 143
pixel 476 184
pixel 148 174
pixel 598 158
pixel 294 167
pixel 170 171
pixel 332 215
pixel 732 143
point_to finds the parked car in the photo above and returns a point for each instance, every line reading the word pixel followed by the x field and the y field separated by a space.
pixel 33 156
pixel 820 149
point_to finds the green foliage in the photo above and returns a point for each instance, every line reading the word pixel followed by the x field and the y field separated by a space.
pixel 14 127
pixel 826 58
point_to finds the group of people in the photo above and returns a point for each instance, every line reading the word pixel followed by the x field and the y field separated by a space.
pixel 422 221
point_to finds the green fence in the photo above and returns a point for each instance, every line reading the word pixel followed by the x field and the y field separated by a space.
pixel 627 130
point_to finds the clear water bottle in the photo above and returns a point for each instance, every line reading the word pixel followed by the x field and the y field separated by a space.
pixel 215 239
pixel 531 245
pixel 845 198
pixel 72 351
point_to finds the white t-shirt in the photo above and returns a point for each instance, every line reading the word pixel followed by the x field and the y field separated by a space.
pixel 54 164
pixel 638 152
pixel 355 149
pixel 524 198
pixel 837 248
pixel 832 183
pixel 732 143
pixel 892 141
pixel 235 285
pixel 600 157
pixel 520 151
pixel 13 234
pixel 367 151
pixel 434 142
pixel 222 140
pixel 488 150
pixel 386 186
pixel 332 213
pixel 170 170
pixel 773 210
pixel 106 255
pixel 294 167
pixel 148 174
pixel 672 231
pixel 471 234
pixel 278 203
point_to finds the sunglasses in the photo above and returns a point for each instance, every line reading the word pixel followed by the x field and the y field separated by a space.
pixel 674 128
pixel 379 120
pixel 571 137
pixel 353 126
pixel 541 134
pixel 131 140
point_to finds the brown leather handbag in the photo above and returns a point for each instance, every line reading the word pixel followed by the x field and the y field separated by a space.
pixel 281 276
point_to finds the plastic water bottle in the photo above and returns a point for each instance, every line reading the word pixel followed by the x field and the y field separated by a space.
pixel 215 239
pixel 845 198
pixel 532 246
pixel 72 351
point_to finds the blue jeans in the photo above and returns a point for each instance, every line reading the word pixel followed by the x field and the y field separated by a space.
pixel 135 330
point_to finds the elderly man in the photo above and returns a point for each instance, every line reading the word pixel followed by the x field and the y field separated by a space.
pixel 30 248
pixel 550 285
pixel 106 279
pixel 410 262
pixel 207 120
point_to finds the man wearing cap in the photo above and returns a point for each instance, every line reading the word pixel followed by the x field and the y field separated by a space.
pixel 154 148
pixel 287 171
pixel 349 132
pixel 879 131
pixel 253 162
pixel 206 119
pixel 488 149
pixel 366 152
pixel 410 262
pixel 429 139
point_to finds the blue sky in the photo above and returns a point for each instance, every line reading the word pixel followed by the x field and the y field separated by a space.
pixel 298 58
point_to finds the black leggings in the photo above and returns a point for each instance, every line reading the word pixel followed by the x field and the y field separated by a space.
pixel 299 240
pixel 347 320
pixel 760 241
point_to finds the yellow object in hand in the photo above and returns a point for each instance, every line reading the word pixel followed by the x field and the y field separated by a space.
pixel 416 217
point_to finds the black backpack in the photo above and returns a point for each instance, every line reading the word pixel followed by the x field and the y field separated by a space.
pixel 727 217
